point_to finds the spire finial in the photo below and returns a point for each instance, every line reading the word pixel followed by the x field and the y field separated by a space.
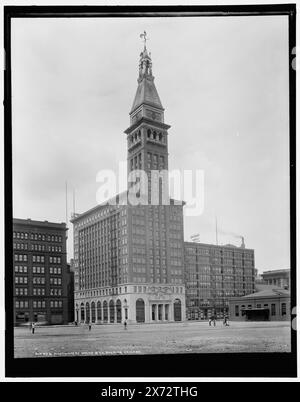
pixel 144 35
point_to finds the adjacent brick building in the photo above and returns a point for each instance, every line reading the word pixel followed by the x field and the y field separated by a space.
pixel 213 274
pixel 40 272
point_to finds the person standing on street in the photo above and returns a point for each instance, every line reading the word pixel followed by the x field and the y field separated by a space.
pixel 125 324
pixel 32 327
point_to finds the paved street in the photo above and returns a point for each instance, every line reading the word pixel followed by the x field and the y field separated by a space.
pixel 189 337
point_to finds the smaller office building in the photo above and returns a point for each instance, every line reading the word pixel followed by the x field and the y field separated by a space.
pixel 278 277
pixel 269 304
pixel 213 275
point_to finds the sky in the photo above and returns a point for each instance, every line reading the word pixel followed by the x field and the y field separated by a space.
pixel 223 82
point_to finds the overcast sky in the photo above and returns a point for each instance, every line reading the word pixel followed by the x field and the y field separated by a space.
pixel 223 83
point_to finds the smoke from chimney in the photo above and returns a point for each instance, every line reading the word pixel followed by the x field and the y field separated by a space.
pixel 234 235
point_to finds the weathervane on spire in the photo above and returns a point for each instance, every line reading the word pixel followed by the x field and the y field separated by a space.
pixel 144 35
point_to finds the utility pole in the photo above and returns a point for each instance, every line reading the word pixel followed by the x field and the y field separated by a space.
pixel 216 232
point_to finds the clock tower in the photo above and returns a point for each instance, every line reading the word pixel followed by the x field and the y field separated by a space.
pixel 147 135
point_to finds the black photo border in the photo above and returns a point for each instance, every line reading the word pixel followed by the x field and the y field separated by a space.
pixel 177 365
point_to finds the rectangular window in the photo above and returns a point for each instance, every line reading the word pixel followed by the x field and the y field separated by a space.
pixel 283 309
pixel 273 309
pixel 237 313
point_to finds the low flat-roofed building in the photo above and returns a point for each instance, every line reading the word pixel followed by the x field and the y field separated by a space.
pixel 268 304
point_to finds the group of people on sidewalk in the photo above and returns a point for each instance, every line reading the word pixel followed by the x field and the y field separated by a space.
pixel 90 325
pixel 213 320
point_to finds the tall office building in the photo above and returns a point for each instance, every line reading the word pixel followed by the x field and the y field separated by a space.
pixel 129 259
pixel 214 274
pixel 40 272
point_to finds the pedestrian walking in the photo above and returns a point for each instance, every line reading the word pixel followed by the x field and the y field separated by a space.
pixel 32 327
pixel 90 326
pixel 125 324
pixel 209 321
pixel 212 320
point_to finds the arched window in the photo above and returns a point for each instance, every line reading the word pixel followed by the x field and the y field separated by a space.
pixel 99 312
pixel 87 312
pixel 105 311
pixel 111 311
pixel 82 312
pixel 93 308
pixel 140 310
pixel 119 310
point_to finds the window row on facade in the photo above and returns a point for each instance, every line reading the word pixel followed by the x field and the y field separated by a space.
pixel 240 310
pixel 37 236
pixel 37 247
pixel 37 292
pixel 38 303
pixel 37 269
pixel 37 280
pixel 215 252
pixel 37 258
